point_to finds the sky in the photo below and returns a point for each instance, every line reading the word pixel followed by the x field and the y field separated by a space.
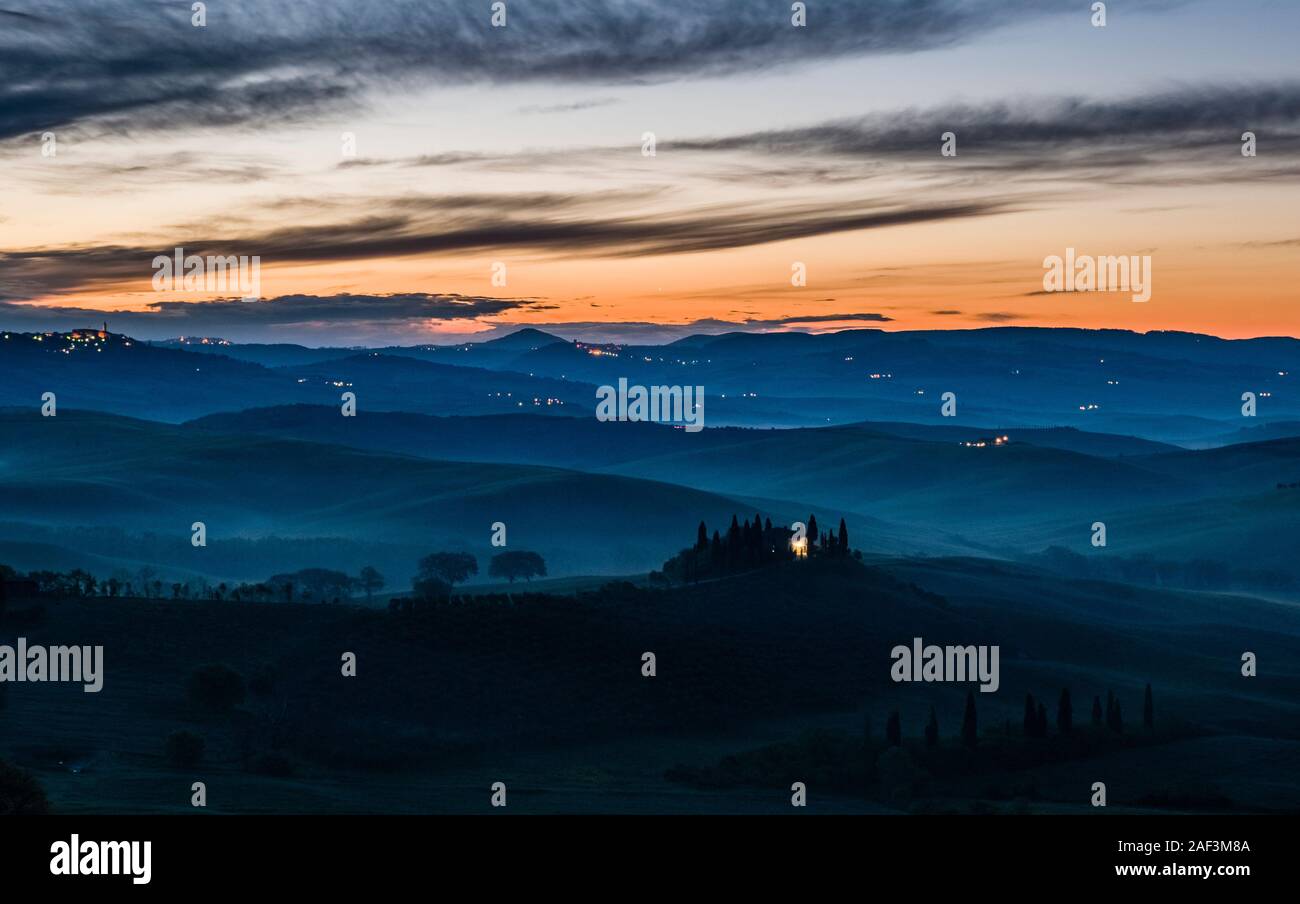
pixel 406 172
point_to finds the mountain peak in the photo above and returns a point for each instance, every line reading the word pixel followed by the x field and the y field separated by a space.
pixel 526 338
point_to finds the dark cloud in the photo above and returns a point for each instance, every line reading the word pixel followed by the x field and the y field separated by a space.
pixel 1188 136
pixel 573 107
pixel 336 316
pixel 1052 138
pixel 1281 243
pixel 819 318
pixel 130 65
pixel 149 171
pixel 556 224
pixel 298 308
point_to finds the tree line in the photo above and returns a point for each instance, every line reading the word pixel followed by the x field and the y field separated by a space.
pixel 438 573
pixel 436 576
pixel 752 544
pixel 1034 723
pixel 306 585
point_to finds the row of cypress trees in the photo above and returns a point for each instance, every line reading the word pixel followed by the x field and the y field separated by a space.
pixel 1035 719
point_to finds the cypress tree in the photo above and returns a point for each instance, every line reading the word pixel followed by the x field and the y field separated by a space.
pixel 894 730
pixel 1096 712
pixel 702 537
pixel 1148 710
pixel 932 730
pixel 767 524
pixel 844 538
pixel 733 542
pixel 1064 713
pixel 1031 716
pixel 812 531
pixel 969 733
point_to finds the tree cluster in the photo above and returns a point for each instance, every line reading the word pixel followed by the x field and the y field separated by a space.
pixel 748 545
pixel 438 572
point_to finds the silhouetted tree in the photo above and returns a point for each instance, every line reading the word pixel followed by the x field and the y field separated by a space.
pixel 1064 713
pixel 812 531
pixel 370 580
pixel 517 563
pixel 702 537
pixel 451 567
pixel 894 730
pixel 969 726
pixel 844 538
pixel 1096 712
pixel 733 542
pixel 1040 724
pixel 312 583
pixel 1114 714
pixel 1148 710
pixel 932 730
pixel 1030 721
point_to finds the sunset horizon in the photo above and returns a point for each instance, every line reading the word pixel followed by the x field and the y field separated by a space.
pixel 822 178
pixel 415 409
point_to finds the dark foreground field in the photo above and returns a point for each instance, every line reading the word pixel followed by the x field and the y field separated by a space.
pixel 763 679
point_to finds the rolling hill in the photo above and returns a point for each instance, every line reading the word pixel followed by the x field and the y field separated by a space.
pixel 84 469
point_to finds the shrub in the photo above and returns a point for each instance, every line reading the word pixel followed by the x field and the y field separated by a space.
pixel 20 793
pixel 217 688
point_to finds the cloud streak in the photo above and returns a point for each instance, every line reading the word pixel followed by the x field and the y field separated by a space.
pixel 555 224
pixel 1057 137
pixel 66 62
pixel 331 315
